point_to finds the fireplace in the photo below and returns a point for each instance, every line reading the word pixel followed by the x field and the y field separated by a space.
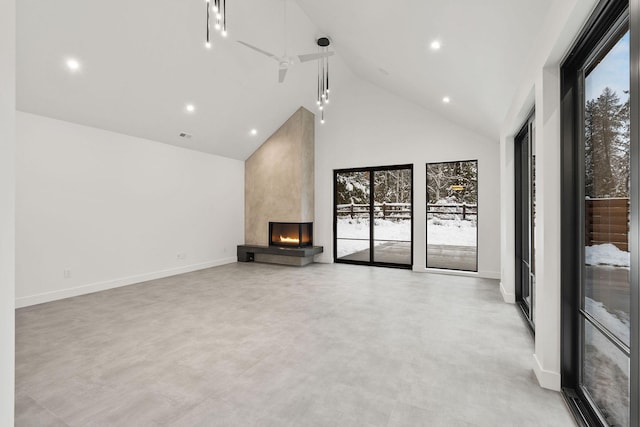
pixel 291 234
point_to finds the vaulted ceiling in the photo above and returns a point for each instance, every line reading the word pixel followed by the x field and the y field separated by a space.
pixel 143 61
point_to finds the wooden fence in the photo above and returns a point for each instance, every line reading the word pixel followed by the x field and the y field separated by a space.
pixel 452 211
pixel 381 210
pixel 607 221
pixel 403 211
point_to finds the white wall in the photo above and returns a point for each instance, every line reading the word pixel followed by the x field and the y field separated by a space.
pixel 7 226
pixel 116 210
pixel 367 126
pixel 541 87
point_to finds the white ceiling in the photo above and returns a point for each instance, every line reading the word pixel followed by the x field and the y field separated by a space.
pixel 143 61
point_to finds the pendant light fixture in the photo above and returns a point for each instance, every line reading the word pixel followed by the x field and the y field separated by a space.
pixel 323 76
pixel 219 13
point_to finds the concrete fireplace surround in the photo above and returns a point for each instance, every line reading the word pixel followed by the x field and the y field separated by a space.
pixel 279 184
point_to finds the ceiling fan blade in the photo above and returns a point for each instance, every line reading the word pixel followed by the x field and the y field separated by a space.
pixel 264 52
pixel 282 74
pixel 314 56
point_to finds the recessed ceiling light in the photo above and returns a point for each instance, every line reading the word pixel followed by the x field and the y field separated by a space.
pixel 446 100
pixel 254 131
pixel 436 45
pixel 190 108
pixel 73 64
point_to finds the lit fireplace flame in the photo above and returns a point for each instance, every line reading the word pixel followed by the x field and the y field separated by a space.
pixel 289 240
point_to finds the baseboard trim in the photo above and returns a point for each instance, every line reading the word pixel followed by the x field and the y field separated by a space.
pixel 481 274
pixel 116 283
pixel 506 296
pixel 547 379
pixel 490 275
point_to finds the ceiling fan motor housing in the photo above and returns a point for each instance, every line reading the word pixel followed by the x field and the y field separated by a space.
pixel 323 41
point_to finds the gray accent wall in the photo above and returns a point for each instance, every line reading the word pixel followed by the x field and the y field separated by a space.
pixel 279 178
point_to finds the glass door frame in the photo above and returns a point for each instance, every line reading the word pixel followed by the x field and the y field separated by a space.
pixel 607 20
pixel 477 214
pixel 372 171
pixel 525 209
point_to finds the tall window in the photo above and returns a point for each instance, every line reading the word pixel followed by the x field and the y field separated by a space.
pixel 600 184
pixel 452 215
pixel 605 303
pixel 525 196
pixel 374 216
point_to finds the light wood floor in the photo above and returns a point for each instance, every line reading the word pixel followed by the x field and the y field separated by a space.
pixel 253 344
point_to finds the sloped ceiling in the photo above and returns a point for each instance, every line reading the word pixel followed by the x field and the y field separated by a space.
pixel 142 61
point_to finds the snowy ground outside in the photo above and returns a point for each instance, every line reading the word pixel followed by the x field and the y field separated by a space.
pixel 358 228
pixel 618 323
pixel 606 368
pixel 452 232
pixel 606 254
pixel 439 232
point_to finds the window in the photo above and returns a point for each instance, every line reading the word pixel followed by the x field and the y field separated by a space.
pixel 525 197
pixel 452 215
pixel 599 238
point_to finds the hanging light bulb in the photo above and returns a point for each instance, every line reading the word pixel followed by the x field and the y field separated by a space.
pixel 219 14
pixel 323 76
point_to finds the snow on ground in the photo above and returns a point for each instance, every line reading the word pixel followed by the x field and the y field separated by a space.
pixel 606 368
pixel 384 229
pixel 358 228
pixel 618 323
pixel 439 232
pixel 606 254
pixel 451 232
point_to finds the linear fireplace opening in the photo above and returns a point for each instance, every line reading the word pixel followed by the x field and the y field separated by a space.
pixel 291 234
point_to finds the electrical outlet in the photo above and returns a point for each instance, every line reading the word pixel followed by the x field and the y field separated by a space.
pixel 67 273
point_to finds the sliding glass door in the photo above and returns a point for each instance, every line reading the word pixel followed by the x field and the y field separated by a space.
pixel 600 222
pixel 374 216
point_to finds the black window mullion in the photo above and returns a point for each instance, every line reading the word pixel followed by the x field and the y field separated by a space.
pixel 372 199
pixel 634 235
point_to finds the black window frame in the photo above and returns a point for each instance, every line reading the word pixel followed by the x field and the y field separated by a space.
pixel 605 22
pixel 426 254
pixel 525 132
pixel 371 262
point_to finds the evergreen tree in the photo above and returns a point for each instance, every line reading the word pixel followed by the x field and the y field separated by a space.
pixel 607 146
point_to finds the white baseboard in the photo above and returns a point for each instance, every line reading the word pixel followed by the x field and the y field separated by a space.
pixel 489 275
pixel 506 296
pixel 481 274
pixel 116 283
pixel 546 379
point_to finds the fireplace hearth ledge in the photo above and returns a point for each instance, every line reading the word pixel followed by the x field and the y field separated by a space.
pixel 298 257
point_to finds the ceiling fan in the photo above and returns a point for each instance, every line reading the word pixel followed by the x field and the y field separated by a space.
pixel 285 61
